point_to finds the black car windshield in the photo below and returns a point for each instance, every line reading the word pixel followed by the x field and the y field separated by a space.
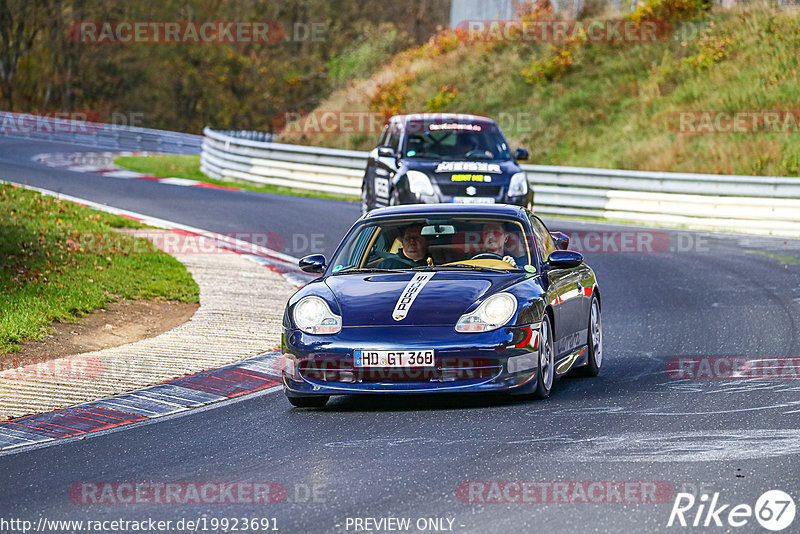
pixel 455 141
pixel 445 243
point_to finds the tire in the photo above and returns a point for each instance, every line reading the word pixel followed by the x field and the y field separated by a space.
pixel 595 338
pixel 317 401
pixel 547 369
pixel 595 342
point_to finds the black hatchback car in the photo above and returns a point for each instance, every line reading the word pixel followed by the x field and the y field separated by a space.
pixel 451 158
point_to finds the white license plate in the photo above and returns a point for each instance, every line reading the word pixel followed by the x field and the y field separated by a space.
pixel 473 200
pixel 393 358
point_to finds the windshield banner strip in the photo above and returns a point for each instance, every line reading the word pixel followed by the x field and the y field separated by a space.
pixel 466 166
pixel 409 294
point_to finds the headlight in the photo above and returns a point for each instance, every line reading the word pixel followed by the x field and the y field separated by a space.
pixel 518 185
pixel 313 316
pixel 419 183
pixel 493 313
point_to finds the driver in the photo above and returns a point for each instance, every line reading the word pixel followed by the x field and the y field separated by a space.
pixel 466 144
pixel 414 250
pixel 494 239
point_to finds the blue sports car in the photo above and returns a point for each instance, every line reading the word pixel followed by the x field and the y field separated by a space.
pixel 442 298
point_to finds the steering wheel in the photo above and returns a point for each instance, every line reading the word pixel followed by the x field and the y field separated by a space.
pixel 477 152
pixel 487 256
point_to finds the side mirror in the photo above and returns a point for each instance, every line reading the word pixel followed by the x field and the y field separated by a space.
pixel 385 152
pixel 564 259
pixel 521 154
pixel 314 264
pixel 560 239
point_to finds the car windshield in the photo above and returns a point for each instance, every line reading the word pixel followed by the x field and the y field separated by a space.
pixel 443 243
pixel 455 141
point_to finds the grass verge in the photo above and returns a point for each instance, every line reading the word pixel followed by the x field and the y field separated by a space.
pixel 59 261
pixel 169 166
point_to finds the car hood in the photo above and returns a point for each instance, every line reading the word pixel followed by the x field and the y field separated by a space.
pixel 442 171
pixel 371 299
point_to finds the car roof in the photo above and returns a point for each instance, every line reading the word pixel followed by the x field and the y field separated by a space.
pixel 418 210
pixel 430 117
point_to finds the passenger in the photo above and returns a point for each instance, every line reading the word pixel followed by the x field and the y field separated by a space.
pixel 413 252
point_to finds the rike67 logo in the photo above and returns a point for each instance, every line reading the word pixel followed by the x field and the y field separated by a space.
pixel 774 510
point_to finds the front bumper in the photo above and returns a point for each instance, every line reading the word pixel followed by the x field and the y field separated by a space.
pixel 502 360
pixel 501 198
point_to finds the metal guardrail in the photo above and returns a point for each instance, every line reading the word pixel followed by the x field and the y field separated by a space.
pixel 96 134
pixel 767 205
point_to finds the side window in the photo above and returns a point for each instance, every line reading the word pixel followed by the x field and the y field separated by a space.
pixel 378 246
pixel 394 141
pixel 549 244
pixel 357 249
pixel 384 136
pixel 544 242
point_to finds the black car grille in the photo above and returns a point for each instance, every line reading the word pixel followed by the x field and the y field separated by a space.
pixel 460 190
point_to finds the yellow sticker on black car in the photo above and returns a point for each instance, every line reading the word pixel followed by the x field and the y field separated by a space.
pixel 470 178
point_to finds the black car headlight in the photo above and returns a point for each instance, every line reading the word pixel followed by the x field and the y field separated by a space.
pixel 419 183
pixel 312 315
pixel 518 185
pixel 493 313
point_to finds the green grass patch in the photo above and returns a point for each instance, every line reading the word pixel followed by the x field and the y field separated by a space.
pixel 59 261
pixel 169 166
